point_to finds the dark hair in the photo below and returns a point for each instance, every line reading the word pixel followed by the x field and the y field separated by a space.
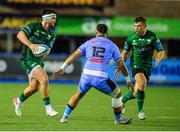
pixel 102 28
pixel 140 19
pixel 48 11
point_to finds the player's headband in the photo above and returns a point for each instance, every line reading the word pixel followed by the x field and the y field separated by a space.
pixel 49 16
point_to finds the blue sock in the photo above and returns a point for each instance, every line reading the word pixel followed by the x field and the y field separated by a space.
pixel 68 111
pixel 117 115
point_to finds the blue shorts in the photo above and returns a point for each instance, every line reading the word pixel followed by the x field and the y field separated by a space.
pixel 105 85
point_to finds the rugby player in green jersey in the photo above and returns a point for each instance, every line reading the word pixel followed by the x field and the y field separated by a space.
pixel 142 43
pixel 30 36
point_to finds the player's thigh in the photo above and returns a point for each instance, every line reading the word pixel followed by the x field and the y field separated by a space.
pixel 40 75
pixel 84 84
pixel 108 87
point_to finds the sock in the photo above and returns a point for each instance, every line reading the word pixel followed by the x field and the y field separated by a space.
pixel 68 111
pixel 127 97
pixel 117 115
pixel 46 101
pixel 140 100
pixel 22 98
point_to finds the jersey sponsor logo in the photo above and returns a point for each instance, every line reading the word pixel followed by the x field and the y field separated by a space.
pixel 141 42
pixel 96 60
pixel 37 41
pixel 146 41
pixel 141 49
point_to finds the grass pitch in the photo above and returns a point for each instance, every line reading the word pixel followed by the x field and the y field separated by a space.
pixel 94 112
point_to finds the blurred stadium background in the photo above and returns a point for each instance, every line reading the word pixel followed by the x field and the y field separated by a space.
pixel 76 23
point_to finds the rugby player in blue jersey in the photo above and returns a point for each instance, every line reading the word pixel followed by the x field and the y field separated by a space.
pixel 98 52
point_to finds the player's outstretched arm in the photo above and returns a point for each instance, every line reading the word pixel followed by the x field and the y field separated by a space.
pixel 67 62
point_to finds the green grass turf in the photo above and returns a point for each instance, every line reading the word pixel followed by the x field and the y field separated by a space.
pixel 94 112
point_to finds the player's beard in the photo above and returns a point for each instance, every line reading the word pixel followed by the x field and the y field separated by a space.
pixel 48 25
pixel 52 26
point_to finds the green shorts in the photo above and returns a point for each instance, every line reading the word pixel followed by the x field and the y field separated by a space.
pixel 30 64
pixel 146 72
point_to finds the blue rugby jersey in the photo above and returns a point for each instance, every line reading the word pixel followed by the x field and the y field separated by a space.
pixel 98 52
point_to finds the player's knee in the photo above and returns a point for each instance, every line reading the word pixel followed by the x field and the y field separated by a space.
pixel 116 93
pixel 44 81
pixel 144 82
pixel 116 102
pixel 141 84
pixel 135 93
pixel 115 90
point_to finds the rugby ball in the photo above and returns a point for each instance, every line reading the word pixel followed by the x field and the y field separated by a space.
pixel 43 50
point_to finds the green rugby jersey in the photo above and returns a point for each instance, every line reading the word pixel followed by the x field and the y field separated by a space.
pixel 142 49
pixel 36 34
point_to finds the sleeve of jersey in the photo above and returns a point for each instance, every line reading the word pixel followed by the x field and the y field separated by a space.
pixel 127 45
pixel 82 48
pixel 116 54
pixel 158 45
pixel 51 43
pixel 28 29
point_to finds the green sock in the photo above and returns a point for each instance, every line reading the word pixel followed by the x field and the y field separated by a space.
pixel 127 97
pixel 22 97
pixel 46 101
pixel 140 100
